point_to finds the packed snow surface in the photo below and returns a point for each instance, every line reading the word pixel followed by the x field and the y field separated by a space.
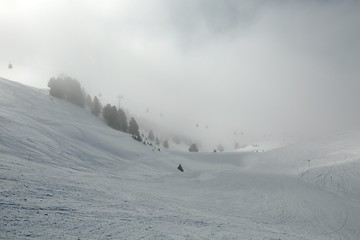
pixel 65 175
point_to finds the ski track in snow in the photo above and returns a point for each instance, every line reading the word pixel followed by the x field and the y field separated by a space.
pixel 65 175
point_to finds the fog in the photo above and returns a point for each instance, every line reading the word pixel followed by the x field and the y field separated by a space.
pixel 273 68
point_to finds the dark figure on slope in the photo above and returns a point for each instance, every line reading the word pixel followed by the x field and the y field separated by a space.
pixel 180 168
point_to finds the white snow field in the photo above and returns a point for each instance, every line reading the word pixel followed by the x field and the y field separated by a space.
pixel 65 175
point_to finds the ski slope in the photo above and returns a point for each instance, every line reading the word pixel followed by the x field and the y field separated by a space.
pixel 65 175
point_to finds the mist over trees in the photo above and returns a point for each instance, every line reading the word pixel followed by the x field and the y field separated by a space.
pixel 220 148
pixel 70 89
pixel 67 88
pixel 176 139
pixel 115 118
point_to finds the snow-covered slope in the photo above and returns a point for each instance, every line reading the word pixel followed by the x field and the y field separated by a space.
pixel 65 175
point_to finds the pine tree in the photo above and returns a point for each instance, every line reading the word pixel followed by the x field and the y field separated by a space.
pixel 114 118
pixel 166 144
pixel 106 113
pixel 151 135
pixel 157 141
pixel 96 108
pixel 89 101
pixel 193 148
pixel 134 129
pixel 110 116
pixel 124 127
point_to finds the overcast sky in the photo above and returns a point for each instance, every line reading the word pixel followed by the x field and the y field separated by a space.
pixel 255 66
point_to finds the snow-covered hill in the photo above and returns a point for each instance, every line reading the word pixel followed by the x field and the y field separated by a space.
pixel 65 175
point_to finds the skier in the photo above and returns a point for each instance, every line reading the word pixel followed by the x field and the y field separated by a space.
pixel 180 168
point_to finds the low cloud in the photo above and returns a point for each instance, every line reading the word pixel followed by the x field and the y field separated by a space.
pixel 246 66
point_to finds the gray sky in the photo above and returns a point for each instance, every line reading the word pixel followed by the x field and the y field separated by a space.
pixel 255 66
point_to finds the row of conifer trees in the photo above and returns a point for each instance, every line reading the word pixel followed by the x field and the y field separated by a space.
pixel 69 89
